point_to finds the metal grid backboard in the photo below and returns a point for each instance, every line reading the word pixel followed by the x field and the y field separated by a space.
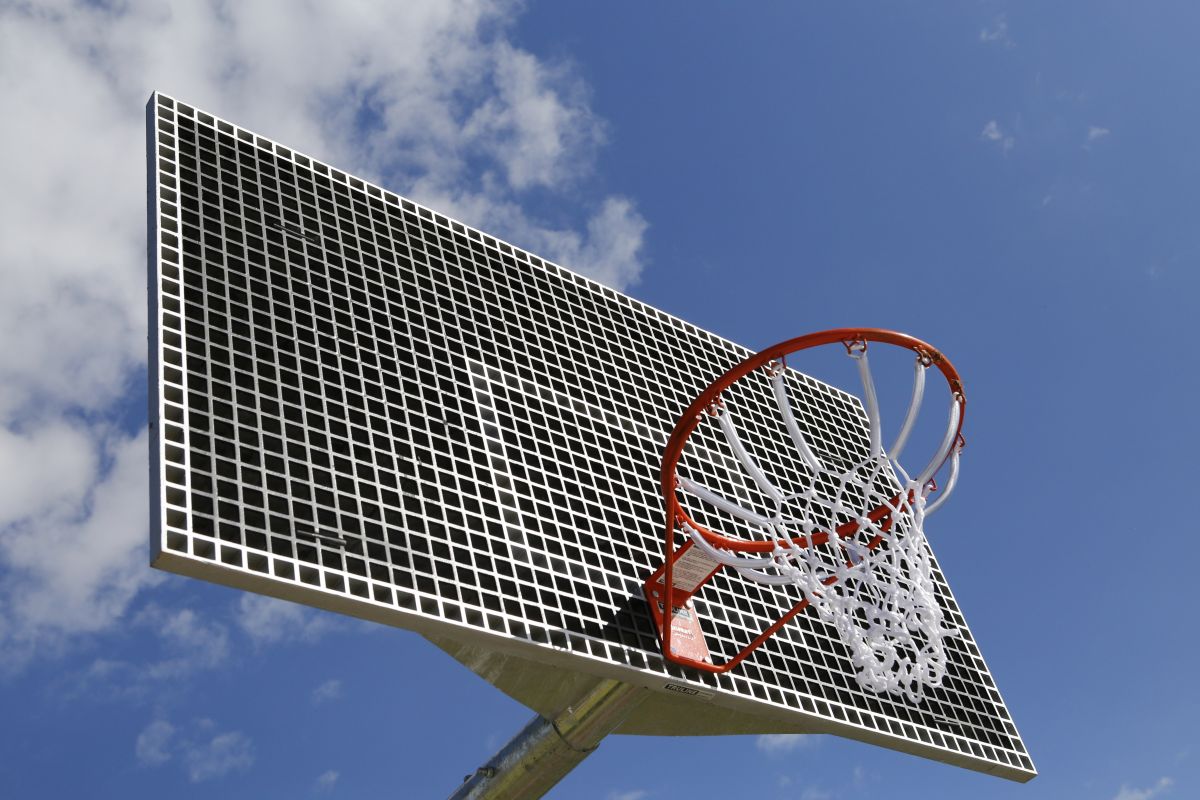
pixel 359 404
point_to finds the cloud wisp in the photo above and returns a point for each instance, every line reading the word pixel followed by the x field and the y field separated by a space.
pixel 1160 787
pixel 327 692
pixel 269 621
pixel 779 743
pixel 1095 133
pixel 632 794
pixel 992 132
pixel 203 752
pixel 997 32
pixel 153 746
pixel 172 646
pixel 327 780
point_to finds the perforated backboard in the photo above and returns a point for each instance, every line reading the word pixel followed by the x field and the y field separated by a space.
pixel 364 406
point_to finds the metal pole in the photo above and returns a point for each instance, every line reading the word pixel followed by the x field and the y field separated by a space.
pixel 546 750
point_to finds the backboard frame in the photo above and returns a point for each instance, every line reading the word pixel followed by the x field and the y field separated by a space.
pixel 199 168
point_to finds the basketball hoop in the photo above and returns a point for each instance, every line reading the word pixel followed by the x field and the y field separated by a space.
pixel 849 536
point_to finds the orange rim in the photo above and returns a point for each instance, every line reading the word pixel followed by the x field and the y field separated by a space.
pixel 688 423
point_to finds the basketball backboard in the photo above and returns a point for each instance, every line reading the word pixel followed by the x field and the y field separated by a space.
pixel 364 406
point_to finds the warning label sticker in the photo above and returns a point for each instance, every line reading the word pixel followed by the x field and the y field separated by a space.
pixel 691 568
pixel 687 639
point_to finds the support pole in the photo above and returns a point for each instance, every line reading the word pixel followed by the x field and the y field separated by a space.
pixel 546 750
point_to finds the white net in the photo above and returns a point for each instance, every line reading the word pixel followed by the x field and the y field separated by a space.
pixel 861 559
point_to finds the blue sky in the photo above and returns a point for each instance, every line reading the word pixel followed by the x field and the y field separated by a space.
pixel 1017 183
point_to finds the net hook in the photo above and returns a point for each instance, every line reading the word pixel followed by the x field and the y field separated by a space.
pixel 713 409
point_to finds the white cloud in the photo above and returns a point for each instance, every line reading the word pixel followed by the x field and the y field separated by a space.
pixel 46 468
pixel 1162 786
pixel 431 98
pixel 73 567
pixel 609 251
pixel 327 692
pixel 269 621
pixel 1095 134
pixel 220 755
pixel 634 794
pixel 153 743
pixel 192 643
pixel 993 133
pixel 204 753
pixel 997 32
pixel 534 118
pixel 183 644
pixel 327 780
pixel 779 743
pixel 815 793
